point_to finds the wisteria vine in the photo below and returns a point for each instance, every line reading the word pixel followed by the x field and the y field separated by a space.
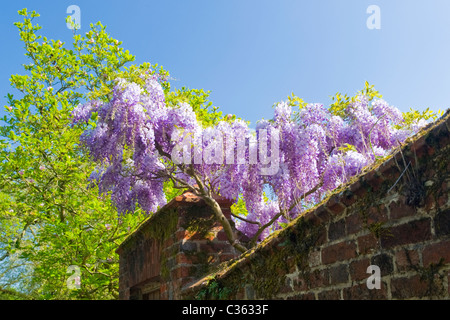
pixel 136 136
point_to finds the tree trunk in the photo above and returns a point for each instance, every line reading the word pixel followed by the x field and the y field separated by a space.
pixel 225 223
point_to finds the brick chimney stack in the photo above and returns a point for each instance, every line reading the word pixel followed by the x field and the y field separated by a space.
pixel 174 247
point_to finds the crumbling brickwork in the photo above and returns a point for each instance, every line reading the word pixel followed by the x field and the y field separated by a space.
pixel 178 244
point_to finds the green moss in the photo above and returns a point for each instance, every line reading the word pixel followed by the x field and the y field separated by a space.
pixel 215 290
pixel 161 225
pixel 430 275
pixel 164 269
pixel 439 165
pixel 199 221
pixel 152 228
pixel 379 230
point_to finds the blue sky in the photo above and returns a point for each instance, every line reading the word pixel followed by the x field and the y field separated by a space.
pixel 251 53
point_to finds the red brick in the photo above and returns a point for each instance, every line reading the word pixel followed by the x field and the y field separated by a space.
pixel 181 235
pixel 286 287
pixel 185 281
pixel 321 237
pixel 318 278
pixel 399 209
pixel 408 287
pixel 412 232
pixel 336 230
pixel 430 202
pixel 445 186
pixel 442 199
pixel 358 189
pixel 389 170
pixel 442 223
pixel 312 219
pixel 314 258
pixel 183 258
pixel 303 296
pixel 367 243
pixel 339 252
pixel 406 259
pixel 227 213
pixel 358 269
pixel 222 236
pixel 348 198
pixel 374 180
pixel 329 295
pixel 216 247
pixel 300 284
pixel 377 214
pixel 181 272
pixel 339 274
pixel 433 253
pixel 354 223
pixel 362 292
pixel 168 242
pixel 334 205
pixel 322 213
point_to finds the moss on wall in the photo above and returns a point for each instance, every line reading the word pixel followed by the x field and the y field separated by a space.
pixel 265 266
pixel 199 221
pixel 162 225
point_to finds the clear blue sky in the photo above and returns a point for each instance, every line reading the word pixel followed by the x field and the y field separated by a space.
pixel 253 53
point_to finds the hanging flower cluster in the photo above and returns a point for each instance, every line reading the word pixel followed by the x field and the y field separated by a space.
pixel 140 142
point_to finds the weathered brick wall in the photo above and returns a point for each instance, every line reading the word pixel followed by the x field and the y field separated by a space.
pixel 395 216
pixel 178 244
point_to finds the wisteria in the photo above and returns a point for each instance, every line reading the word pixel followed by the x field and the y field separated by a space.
pixel 296 158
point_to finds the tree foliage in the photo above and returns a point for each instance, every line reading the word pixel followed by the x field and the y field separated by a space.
pixel 49 219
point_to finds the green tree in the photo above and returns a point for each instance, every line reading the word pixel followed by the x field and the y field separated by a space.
pixel 49 220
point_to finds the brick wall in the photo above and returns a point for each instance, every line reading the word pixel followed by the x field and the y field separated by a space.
pixel 178 244
pixel 396 216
